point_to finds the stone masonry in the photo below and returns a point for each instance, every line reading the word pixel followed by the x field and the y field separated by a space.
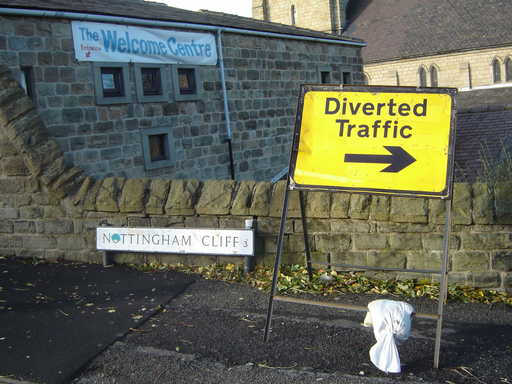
pixel 263 76
pixel 460 69
pixel 50 210
pixel 317 15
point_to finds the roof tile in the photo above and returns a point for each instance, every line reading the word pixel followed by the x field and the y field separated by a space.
pixel 396 29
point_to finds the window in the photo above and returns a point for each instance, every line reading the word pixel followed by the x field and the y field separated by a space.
pixel 347 78
pixel 423 77
pixel 156 144
pixel 470 79
pixel 433 77
pixel 366 81
pixel 26 81
pixel 151 82
pixel 186 82
pixel 508 69
pixel 158 150
pixel 111 83
pixel 293 14
pixel 324 74
pixel 496 71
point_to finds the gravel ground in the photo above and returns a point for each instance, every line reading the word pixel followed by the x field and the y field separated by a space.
pixel 213 333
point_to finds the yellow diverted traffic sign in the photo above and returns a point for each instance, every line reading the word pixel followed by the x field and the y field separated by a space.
pixel 374 139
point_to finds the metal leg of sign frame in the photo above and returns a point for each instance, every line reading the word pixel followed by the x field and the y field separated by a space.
pixel 443 275
pixel 305 232
pixel 443 280
pixel 277 262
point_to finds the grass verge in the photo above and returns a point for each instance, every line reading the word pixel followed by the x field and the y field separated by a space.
pixel 294 279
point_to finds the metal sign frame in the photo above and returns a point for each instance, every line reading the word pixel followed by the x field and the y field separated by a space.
pixel 373 89
pixel 290 185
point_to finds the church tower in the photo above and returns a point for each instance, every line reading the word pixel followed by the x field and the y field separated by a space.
pixel 321 15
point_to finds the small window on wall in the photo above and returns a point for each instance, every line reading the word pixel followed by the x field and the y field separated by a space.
pixel 324 74
pixel 157 148
pixel 347 78
pixel 111 83
pixel 508 69
pixel 151 82
pixel 422 73
pixel 496 71
pixel 325 77
pixel 186 82
pixel 433 77
pixel 26 81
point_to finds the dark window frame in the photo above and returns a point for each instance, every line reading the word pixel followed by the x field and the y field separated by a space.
pixel 27 81
pixel 496 71
pixel 347 78
pixel 164 80
pixel 422 74
pixel 155 84
pixel 163 135
pixel 189 75
pixel 118 90
pixel 324 74
pixel 192 93
pixel 121 74
pixel 508 69
pixel 434 76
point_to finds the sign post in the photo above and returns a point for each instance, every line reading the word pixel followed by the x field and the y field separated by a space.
pixel 380 140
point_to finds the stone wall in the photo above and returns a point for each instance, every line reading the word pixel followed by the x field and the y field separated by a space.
pixel 263 76
pixel 452 69
pixel 50 210
pixel 324 16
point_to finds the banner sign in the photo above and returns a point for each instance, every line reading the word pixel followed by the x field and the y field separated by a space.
pixel 237 242
pixel 392 140
pixel 123 43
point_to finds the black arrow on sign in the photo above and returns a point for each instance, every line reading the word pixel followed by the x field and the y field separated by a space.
pixel 398 160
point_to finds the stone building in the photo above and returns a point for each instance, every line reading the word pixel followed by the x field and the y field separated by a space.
pixel 49 210
pixel 460 43
pixel 139 89
pixel 326 16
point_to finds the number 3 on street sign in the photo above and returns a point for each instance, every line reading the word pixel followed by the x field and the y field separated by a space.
pixel 382 140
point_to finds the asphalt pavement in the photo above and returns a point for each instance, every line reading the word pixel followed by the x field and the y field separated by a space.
pixel 212 332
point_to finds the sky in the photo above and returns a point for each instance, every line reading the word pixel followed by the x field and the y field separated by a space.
pixel 237 7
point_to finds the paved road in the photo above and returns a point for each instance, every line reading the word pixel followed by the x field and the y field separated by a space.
pixel 213 333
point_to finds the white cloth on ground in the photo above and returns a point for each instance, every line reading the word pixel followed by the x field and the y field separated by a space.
pixel 391 322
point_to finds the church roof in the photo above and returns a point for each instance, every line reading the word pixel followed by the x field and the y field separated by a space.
pixel 397 29
pixel 158 11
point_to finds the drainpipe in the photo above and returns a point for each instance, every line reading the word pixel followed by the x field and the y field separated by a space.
pixel 229 136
